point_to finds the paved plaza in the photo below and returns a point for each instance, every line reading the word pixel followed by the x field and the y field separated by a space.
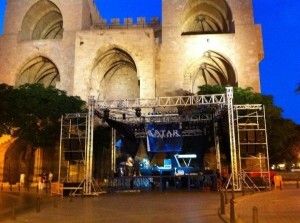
pixel 128 207
pixel 277 206
pixel 280 206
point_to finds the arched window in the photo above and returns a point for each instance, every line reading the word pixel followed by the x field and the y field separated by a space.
pixel 207 17
pixel 115 75
pixel 212 69
pixel 39 70
pixel 42 21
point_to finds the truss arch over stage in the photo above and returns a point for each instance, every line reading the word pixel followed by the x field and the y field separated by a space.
pixel 242 119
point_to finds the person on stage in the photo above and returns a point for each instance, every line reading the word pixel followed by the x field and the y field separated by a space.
pixel 129 165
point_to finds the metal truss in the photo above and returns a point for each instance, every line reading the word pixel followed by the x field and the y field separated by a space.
pixel 89 149
pixel 236 184
pixel 120 107
pixel 90 186
pixel 166 118
pixel 162 102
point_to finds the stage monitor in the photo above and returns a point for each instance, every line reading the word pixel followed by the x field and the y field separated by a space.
pixel 167 163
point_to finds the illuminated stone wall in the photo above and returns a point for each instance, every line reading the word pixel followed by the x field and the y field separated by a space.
pixel 5 142
pixel 241 47
pixel 198 42
pixel 20 45
pixel 130 49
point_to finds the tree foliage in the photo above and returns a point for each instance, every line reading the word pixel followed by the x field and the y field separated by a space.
pixel 32 112
pixel 283 134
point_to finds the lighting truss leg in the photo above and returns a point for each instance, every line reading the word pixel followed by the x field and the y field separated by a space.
pixel 242 176
pixel 217 146
pixel 88 182
pixel 60 149
pixel 267 149
pixel 113 151
pixel 234 162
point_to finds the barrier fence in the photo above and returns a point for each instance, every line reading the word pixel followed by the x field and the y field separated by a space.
pixel 150 183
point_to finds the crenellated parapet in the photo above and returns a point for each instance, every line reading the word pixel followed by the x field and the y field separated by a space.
pixel 116 23
pixel 5 139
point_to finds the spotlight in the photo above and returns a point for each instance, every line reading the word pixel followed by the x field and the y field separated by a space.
pixel 106 113
pixel 138 112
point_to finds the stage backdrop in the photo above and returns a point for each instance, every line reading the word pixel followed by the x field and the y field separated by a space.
pixel 164 137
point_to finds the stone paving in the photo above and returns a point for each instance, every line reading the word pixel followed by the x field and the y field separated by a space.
pixel 131 207
pixel 277 206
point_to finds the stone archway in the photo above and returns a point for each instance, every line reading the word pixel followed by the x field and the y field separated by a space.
pixel 114 75
pixel 207 17
pixel 211 69
pixel 39 70
pixel 42 21
pixel 13 162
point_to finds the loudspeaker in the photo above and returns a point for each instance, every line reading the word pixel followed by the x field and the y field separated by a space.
pixel 74 149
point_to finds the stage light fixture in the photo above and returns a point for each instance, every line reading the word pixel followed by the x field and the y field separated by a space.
pixel 138 112
pixel 106 113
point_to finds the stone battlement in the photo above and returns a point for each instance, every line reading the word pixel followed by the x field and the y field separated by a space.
pixel 5 138
pixel 115 23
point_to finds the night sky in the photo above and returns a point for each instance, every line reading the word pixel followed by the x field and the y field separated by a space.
pixel 280 20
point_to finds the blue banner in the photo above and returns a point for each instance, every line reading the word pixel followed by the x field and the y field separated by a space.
pixel 164 137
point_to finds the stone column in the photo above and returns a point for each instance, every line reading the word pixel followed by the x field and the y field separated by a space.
pixel 38 164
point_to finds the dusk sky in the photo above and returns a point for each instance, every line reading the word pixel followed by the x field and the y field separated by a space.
pixel 280 20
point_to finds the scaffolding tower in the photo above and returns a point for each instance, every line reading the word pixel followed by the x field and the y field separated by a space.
pixel 78 127
pixel 253 142
pixel 72 145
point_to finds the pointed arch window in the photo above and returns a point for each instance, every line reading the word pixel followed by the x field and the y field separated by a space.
pixel 207 17
pixel 114 75
pixel 42 21
pixel 39 70
pixel 212 69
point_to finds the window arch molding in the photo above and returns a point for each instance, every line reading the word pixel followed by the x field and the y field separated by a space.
pixel 43 20
pixel 211 69
pixel 38 69
pixel 206 17
pixel 114 69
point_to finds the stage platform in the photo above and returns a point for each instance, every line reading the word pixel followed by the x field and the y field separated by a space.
pixel 66 188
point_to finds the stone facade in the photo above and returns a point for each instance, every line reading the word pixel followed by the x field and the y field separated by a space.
pixel 149 60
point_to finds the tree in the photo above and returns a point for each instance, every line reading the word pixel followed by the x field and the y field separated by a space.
pixel 282 133
pixel 32 112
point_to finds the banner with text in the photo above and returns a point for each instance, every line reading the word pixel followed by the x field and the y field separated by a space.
pixel 164 137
